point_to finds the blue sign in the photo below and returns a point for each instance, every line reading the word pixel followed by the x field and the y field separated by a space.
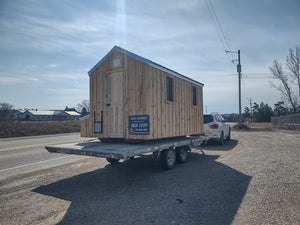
pixel 139 125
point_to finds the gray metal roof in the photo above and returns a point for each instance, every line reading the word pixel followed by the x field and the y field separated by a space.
pixel 46 112
pixel 146 61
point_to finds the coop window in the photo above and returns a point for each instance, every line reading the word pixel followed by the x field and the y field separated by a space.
pixel 194 95
pixel 116 62
pixel 169 83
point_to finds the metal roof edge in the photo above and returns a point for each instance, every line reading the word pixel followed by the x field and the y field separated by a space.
pixel 174 73
pixel 146 61
pixel 102 60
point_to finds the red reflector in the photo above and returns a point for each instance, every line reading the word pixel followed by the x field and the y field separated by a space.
pixel 214 126
pixel 119 156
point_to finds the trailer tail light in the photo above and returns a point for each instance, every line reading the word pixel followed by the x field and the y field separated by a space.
pixel 214 126
pixel 119 156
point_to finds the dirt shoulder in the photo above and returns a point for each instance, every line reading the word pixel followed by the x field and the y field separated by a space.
pixel 265 127
pixel 253 179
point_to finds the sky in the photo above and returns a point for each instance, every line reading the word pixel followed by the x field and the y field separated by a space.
pixel 48 46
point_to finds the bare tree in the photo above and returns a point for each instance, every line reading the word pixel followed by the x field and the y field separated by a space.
pixel 286 79
pixel 5 109
pixel 293 64
pixel 84 104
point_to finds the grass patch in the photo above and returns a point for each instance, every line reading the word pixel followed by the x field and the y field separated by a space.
pixel 31 128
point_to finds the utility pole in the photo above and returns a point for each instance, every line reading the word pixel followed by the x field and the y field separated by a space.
pixel 239 70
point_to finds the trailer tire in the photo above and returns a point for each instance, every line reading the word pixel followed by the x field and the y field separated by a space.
pixel 181 155
pixel 168 159
pixel 112 160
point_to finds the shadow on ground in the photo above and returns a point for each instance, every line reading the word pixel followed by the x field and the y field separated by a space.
pixel 214 146
pixel 201 191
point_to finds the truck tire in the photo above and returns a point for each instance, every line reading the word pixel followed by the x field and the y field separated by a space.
pixel 112 160
pixel 168 159
pixel 221 140
pixel 181 155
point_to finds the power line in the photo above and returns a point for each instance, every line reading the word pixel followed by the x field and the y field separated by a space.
pixel 219 29
pixel 214 76
pixel 245 76
pixel 258 78
pixel 234 74
pixel 219 25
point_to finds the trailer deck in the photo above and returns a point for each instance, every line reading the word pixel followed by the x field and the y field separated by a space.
pixel 121 150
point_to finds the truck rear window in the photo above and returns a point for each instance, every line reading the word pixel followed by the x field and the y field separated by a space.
pixel 208 118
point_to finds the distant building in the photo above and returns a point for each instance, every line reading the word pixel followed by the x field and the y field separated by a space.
pixel 73 115
pixel 43 115
pixel 17 114
pixel 49 115
pixel 67 109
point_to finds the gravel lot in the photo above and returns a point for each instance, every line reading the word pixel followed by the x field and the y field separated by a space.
pixel 252 179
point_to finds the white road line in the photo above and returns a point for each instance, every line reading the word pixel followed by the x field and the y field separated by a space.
pixel 30 164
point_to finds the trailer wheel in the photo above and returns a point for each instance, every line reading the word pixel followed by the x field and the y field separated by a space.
pixel 168 159
pixel 112 160
pixel 181 155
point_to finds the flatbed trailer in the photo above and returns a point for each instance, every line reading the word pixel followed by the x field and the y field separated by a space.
pixel 169 151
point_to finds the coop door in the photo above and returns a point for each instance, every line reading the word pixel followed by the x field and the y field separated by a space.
pixel 115 105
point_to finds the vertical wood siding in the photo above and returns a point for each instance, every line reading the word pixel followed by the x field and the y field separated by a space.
pixel 144 93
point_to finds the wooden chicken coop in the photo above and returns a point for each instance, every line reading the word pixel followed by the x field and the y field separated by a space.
pixel 133 98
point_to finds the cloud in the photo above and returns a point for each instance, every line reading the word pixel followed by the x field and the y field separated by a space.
pixel 53 43
pixel 5 80
pixel 27 77
pixel 75 36
pixel 33 79
pixel 15 79
pixel 54 65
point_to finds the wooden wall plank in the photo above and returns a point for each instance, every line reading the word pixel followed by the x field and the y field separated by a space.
pixel 158 95
pixel 177 108
pixel 149 102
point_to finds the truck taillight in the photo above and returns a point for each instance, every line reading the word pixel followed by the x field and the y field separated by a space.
pixel 214 126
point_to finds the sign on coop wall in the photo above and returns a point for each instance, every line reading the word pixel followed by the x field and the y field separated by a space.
pixel 139 125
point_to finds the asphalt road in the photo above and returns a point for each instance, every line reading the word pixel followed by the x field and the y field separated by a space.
pixel 252 179
pixel 27 154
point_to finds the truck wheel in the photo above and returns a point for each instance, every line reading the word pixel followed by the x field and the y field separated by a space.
pixel 229 135
pixel 181 155
pixel 112 160
pixel 168 159
pixel 221 140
